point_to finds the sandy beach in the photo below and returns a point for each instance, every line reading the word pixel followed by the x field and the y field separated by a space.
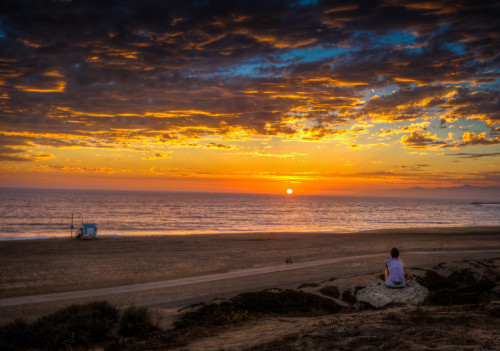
pixel 47 266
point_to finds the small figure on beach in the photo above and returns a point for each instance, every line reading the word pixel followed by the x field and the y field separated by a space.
pixel 394 276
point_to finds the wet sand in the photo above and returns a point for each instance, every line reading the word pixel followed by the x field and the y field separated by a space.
pixel 34 267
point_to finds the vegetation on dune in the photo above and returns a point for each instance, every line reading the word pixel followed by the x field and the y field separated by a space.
pixel 349 295
pixel 77 327
pixel 136 322
pixel 460 287
pixel 255 304
pixel 100 325
pixel 330 290
pixel 308 285
pixel 431 327
pixel 209 318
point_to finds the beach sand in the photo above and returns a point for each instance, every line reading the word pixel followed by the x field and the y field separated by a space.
pixel 33 267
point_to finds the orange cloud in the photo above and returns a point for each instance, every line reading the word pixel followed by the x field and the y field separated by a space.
pixel 68 169
pixel 280 42
pixel 409 80
pixel 53 87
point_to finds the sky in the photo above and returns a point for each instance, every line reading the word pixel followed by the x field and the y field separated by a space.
pixel 322 97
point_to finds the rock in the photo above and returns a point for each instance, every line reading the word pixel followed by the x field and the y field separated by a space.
pixel 380 295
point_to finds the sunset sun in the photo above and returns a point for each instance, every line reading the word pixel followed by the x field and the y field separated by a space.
pixel 289 191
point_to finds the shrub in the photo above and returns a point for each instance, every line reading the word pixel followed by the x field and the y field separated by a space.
pixel 98 324
pixel 136 322
pixel 460 287
pixel 14 336
pixel 330 290
pixel 308 285
pixel 78 325
pixel 252 304
pixel 73 326
pixel 350 295
pixel 213 315
pixel 285 302
pixel 432 280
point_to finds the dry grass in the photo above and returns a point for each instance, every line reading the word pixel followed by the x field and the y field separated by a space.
pixel 425 328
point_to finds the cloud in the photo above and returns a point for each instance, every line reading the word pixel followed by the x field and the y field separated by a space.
pixel 414 167
pixel 8 154
pixel 71 169
pixel 366 146
pixel 268 154
pixel 107 75
pixel 471 139
pixel 475 104
pixel 417 140
pixel 474 155
pixel 221 146
pixel 414 127
pixel 13 148
pixel 158 156
pixel 407 104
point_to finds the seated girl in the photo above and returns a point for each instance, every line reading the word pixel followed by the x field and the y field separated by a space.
pixel 394 276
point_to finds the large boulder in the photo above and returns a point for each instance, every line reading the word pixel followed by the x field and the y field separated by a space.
pixel 380 295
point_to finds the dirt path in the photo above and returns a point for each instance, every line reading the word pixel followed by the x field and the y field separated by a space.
pixel 241 273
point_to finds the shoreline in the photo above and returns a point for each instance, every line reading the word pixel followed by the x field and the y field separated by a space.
pixel 420 230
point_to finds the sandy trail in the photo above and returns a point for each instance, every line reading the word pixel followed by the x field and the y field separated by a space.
pixel 212 277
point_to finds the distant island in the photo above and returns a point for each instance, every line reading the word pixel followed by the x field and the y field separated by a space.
pixel 476 194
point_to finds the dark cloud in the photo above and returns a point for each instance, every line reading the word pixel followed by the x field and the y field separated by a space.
pixel 407 103
pixel 474 156
pixel 481 104
pixel 179 70
pixel 414 167
pixel 10 154
pixel 16 155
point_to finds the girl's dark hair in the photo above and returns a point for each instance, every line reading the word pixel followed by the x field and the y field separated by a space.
pixel 395 252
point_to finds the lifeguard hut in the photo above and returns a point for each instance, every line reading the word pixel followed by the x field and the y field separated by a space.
pixel 87 231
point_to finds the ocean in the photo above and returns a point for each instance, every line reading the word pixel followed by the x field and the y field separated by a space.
pixel 43 213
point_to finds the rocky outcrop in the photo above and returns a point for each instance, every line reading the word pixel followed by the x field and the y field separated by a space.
pixel 380 295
